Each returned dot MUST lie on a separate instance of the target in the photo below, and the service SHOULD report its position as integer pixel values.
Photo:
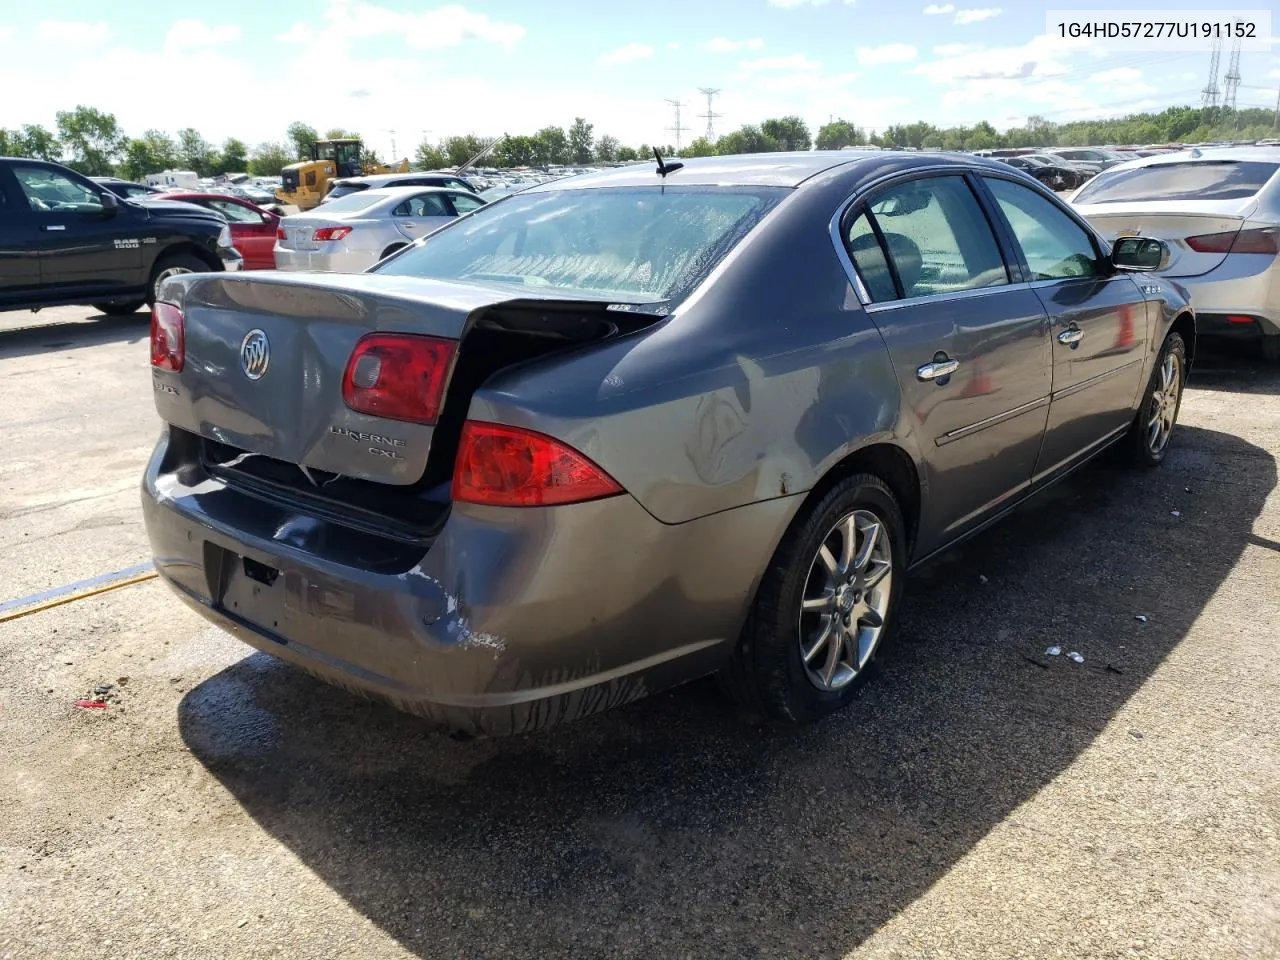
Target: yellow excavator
(307, 181)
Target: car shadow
(93, 330)
(677, 821)
(1234, 368)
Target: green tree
(268, 159)
(93, 139)
(517, 151)
(150, 153)
(458, 150)
(626, 154)
(32, 141)
(581, 141)
(233, 157)
(840, 133)
(702, 147)
(428, 156)
(337, 133)
(551, 145)
(607, 149)
(747, 139)
(790, 133)
(195, 152)
(301, 135)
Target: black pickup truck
(67, 240)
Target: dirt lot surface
(980, 799)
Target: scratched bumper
(510, 620)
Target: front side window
(936, 237)
(1054, 245)
(621, 244)
(48, 191)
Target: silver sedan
(352, 233)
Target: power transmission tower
(710, 116)
(677, 129)
(1209, 95)
(1232, 77)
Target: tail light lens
(398, 376)
(1263, 240)
(168, 337)
(280, 233)
(501, 466)
(330, 233)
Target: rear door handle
(1074, 335)
(54, 226)
(937, 368)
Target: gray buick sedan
(615, 433)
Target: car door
(253, 232)
(969, 345)
(1100, 320)
(82, 242)
(420, 214)
(19, 260)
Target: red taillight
(280, 233)
(1238, 318)
(168, 344)
(330, 233)
(508, 467)
(398, 376)
(1262, 240)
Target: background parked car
(253, 230)
(347, 185)
(354, 232)
(1055, 176)
(1218, 209)
(1103, 159)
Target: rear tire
(1149, 436)
(172, 266)
(121, 309)
(817, 587)
(394, 248)
(1271, 348)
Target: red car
(253, 230)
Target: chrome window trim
(950, 295)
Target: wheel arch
(1184, 324)
(189, 248)
(892, 464)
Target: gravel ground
(980, 799)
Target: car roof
(766, 169)
(1203, 155)
(379, 179)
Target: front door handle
(1071, 337)
(937, 368)
(54, 226)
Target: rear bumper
(509, 620)
(337, 261)
(1241, 285)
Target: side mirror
(1140, 254)
(110, 204)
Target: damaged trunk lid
(265, 359)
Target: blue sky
(421, 68)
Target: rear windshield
(633, 245)
(345, 189)
(353, 201)
(1191, 180)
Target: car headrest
(906, 258)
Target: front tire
(825, 605)
(1152, 429)
(172, 266)
(119, 309)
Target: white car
(1218, 210)
(352, 233)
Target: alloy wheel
(1164, 404)
(165, 274)
(845, 600)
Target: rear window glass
(353, 201)
(1193, 180)
(634, 245)
(345, 189)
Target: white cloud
(796, 61)
(673, 45)
(447, 26)
(725, 45)
(627, 54)
(301, 33)
(1274, 74)
(197, 33)
(955, 49)
(977, 15)
(5, 33)
(1191, 75)
(938, 9)
(791, 4)
(805, 82)
(75, 33)
(1116, 75)
(888, 53)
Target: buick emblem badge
(255, 354)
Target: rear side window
(936, 237)
(423, 205)
(1189, 180)
(869, 259)
(465, 203)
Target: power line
(1209, 95)
(678, 128)
(710, 116)
(1232, 77)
